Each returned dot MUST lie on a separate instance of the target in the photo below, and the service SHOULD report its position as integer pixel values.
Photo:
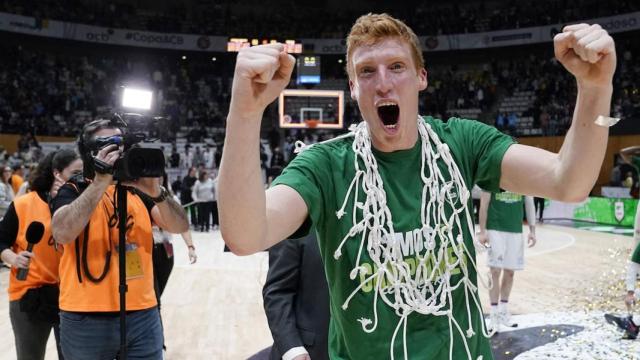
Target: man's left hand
(531, 239)
(192, 255)
(149, 186)
(483, 239)
(588, 53)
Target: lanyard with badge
(133, 261)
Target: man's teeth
(391, 126)
(386, 104)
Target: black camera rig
(136, 161)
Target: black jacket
(296, 298)
(187, 185)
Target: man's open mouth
(389, 113)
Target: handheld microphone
(34, 235)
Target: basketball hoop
(311, 123)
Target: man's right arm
(69, 220)
(250, 219)
(485, 199)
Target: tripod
(121, 195)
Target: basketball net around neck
(428, 291)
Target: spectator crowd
(314, 19)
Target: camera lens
(144, 162)
(137, 161)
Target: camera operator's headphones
(85, 145)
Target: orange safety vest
(16, 181)
(43, 269)
(77, 291)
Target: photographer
(85, 221)
(33, 302)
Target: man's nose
(384, 82)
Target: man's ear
(422, 79)
(353, 87)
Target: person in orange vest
(17, 178)
(85, 222)
(33, 302)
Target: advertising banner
(605, 211)
(193, 42)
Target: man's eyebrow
(390, 59)
(398, 58)
(362, 63)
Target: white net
(428, 289)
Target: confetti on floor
(597, 340)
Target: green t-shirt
(505, 212)
(635, 256)
(322, 175)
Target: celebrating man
(390, 200)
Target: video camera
(136, 161)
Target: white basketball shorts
(506, 251)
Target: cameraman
(85, 222)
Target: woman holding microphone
(33, 300)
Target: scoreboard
(308, 69)
(235, 44)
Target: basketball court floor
(213, 309)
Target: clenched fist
(261, 73)
(588, 52)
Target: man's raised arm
(251, 220)
(588, 53)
